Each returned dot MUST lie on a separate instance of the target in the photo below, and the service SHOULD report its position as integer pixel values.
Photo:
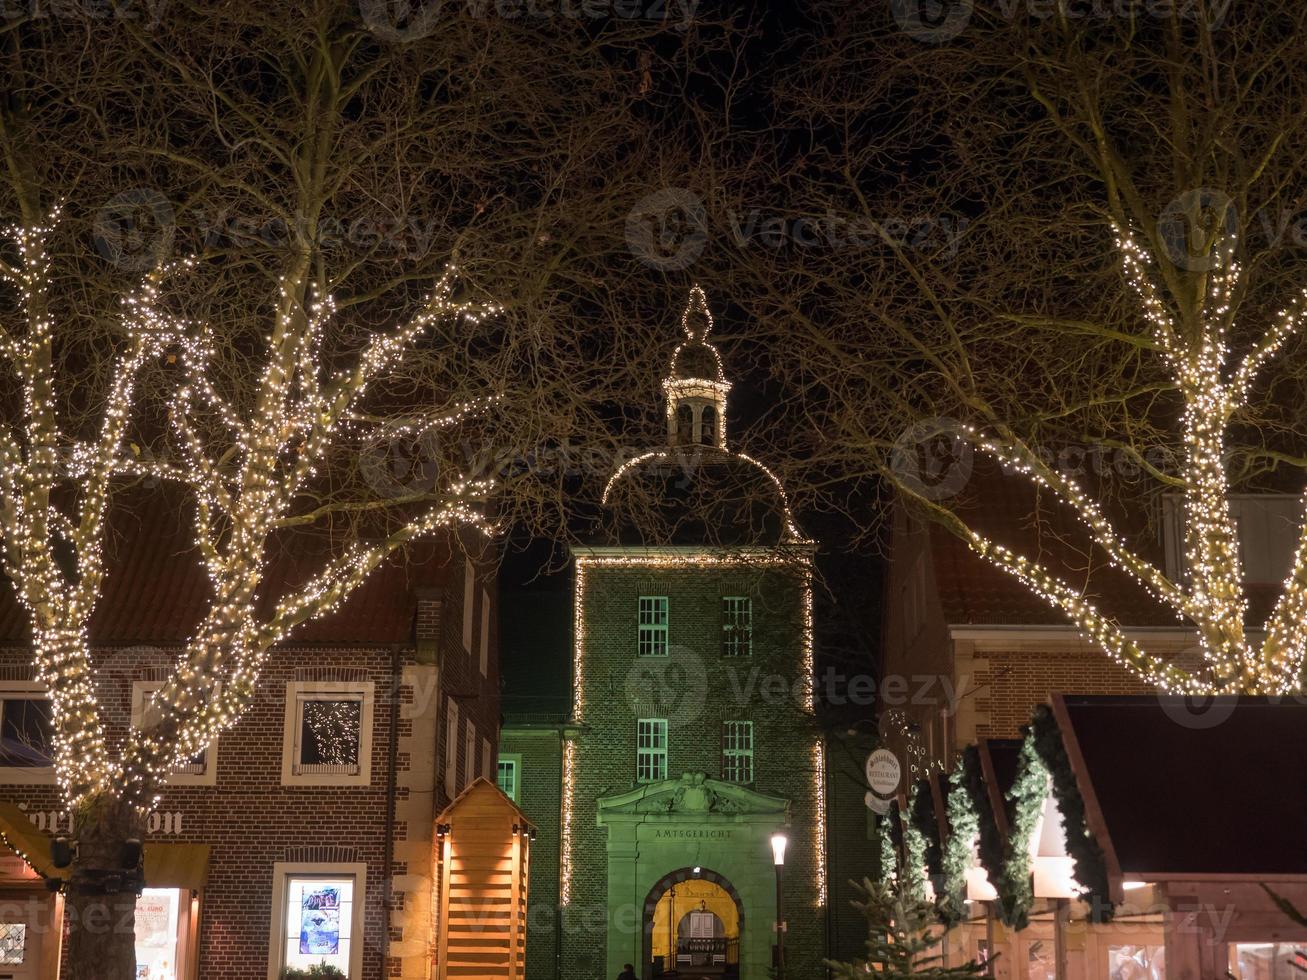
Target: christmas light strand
(1213, 596)
(245, 469)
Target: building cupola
(696, 386)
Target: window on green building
(737, 751)
(651, 750)
(653, 626)
(737, 626)
(508, 775)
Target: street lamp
(670, 963)
(778, 842)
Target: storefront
(1126, 839)
(32, 916)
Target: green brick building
(688, 736)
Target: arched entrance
(693, 920)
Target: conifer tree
(902, 941)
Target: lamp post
(778, 842)
(671, 931)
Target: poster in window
(156, 934)
(320, 921)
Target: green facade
(698, 532)
(627, 835)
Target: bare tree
(400, 233)
(1052, 224)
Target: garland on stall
(1026, 802)
(889, 860)
(1089, 861)
(959, 851)
(923, 819)
(990, 843)
(914, 849)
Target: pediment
(694, 795)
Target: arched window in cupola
(684, 425)
(695, 386)
(708, 426)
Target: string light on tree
(1215, 386)
(246, 463)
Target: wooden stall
(484, 849)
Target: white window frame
(513, 759)
(469, 600)
(178, 778)
(451, 749)
(485, 633)
(282, 872)
(652, 629)
(651, 731)
(26, 775)
(486, 759)
(737, 626)
(469, 750)
(323, 691)
(736, 732)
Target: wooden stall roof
(480, 789)
(1174, 793)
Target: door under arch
(693, 921)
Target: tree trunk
(100, 902)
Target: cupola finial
(696, 386)
(696, 321)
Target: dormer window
(1266, 526)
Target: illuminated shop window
(158, 921)
(319, 917)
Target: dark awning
(1174, 793)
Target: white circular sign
(883, 772)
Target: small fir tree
(902, 942)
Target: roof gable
(480, 794)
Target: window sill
(310, 779)
(27, 776)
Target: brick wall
(855, 851)
(251, 820)
(539, 796)
(462, 683)
(1010, 684)
(695, 689)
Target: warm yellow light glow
(1214, 387)
(245, 484)
(569, 794)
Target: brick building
(688, 736)
(305, 832)
(969, 652)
